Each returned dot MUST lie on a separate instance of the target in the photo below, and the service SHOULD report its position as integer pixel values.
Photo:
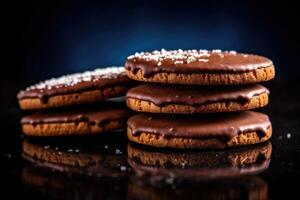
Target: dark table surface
(113, 177)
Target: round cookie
(165, 98)
(79, 88)
(199, 67)
(89, 119)
(204, 165)
(200, 131)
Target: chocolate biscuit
(199, 131)
(199, 67)
(80, 88)
(184, 99)
(89, 119)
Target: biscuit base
(157, 140)
(74, 98)
(223, 106)
(221, 78)
(70, 128)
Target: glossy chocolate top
(163, 94)
(194, 61)
(95, 113)
(89, 80)
(226, 125)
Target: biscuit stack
(76, 104)
(198, 99)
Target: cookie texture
(209, 131)
(155, 140)
(156, 98)
(256, 76)
(73, 99)
(80, 88)
(199, 67)
(71, 128)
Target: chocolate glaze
(217, 62)
(95, 114)
(225, 125)
(165, 94)
(95, 82)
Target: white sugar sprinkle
(73, 79)
(217, 51)
(179, 56)
(203, 60)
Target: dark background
(68, 36)
(56, 37)
(65, 36)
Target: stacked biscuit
(76, 104)
(198, 98)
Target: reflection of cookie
(56, 186)
(249, 187)
(199, 67)
(209, 131)
(73, 89)
(78, 156)
(199, 165)
(195, 99)
(89, 119)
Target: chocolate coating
(97, 113)
(193, 61)
(98, 79)
(165, 94)
(225, 125)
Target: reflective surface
(110, 167)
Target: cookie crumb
(123, 168)
(118, 151)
